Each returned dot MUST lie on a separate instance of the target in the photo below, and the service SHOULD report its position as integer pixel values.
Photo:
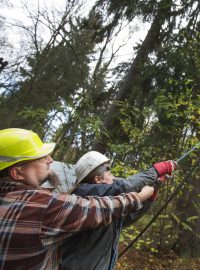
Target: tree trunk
(134, 76)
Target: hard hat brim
(45, 150)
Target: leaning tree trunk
(134, 76)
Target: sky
(15, 14)
(14, 8)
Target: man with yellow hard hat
(33, 221)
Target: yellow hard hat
(18, 144)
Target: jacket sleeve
(137, 181)
(66, 214)
(101, 190)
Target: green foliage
(64, 93)
(119, 169)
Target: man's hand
(145, 193)
(165, 167)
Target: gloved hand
(165, 167)
(165, 178)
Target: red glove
(165, 167)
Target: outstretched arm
(149, 177)
(137, 181)
(67, 214)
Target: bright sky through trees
(18, 12)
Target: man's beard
(44, 180)
(53, 179)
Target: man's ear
(98, 179)
(16, 173)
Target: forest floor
(140, 260)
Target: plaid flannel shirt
(34, 221)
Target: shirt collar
(8, 186)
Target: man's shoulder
(32, 195)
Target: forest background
(67, 74)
